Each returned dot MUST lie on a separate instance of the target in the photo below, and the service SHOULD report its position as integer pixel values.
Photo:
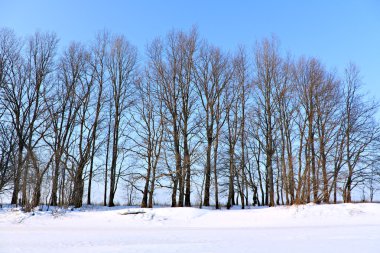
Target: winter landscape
(202, 126)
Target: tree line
(252, 127)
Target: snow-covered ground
(310, 228)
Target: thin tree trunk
(206, 201)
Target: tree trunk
(206, 201)
(54, 189)
(144, 202)
(216, 143)
(178, 174)
(17, 176)
(78, 187)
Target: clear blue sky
(334, 31)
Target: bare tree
(232, 119)
(241, 75)
(13, 97)
(40, 58)
(121, 66)
(286, 107)
(9, 54)
(86, 121)
(267, 69)
(22, 97)
(327, 103)
(172, 63)
(148, 127)
(98, 66)
(63, 111)
(308, 75)
(7, 157)
(213, 74)
(188, 47)
(360, 130)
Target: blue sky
(334, 31)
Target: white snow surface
(307, 228)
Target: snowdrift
(306, 228)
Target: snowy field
(310, 228)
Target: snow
(307, 228)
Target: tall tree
(286, 107)
(122, 67)
(267, 68)
(360, 130)
(148, 125)
(63, 110)
(327, 102)
(213, 74)
(241, 75)
(85, 124)
(172, 63)
(98, 67)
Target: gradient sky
(334, 31)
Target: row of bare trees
(194, 122)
